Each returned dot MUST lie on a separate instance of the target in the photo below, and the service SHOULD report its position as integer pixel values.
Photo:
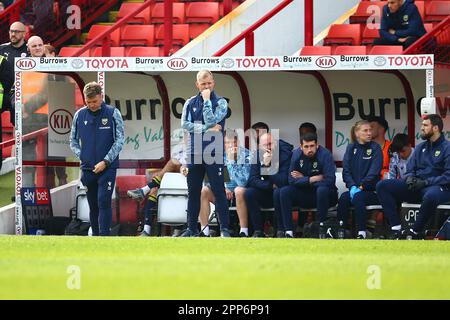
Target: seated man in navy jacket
(267, 176)
(401, 24)
(312, 182)
(427, 180)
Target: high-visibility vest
(1, 86)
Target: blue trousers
(321, 197)
(99, 193)
(216, 181)
(392, 192)
(257, 199)
(360, 201)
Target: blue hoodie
(321, 163)
(431, 162)
(362, 165)
(280, 178)
(406, 22)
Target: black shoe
(281, 234)
(225, 233)
(360, 237)
(258, 234)
(396, 234)
(287, 235)
(411, 235)
(202, 235)
(189, 233)
(243, 235)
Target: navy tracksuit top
(321, 163)
(431, 162)
(280, 179)
(96, 132)
(362, 165)
(195, 113)
(406, 22)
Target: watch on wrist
(107, 163)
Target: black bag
(56, 225)
(311, 230)
(77, 227)
(444, 232)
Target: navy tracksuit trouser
(360, 201)
(99, 193)
(195, 183)
(321, 198)
(392, 191)
(257, 198)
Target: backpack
(77, 227)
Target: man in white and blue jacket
(267, 176)
(312, 182)
(427, 180)
(204, 118)
(96, 138)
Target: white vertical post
(101, 82)
(18, 149)
(429, 83)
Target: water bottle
(322, 232)
(341, 230)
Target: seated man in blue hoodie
(427, 180)
(267, 176)
(312, 182)
(401, 24)
(361, 167)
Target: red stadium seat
(180, 35)
(437, 11)
(97, 29)
(421, 7)
(128, 208)
(142, 17)
(142, 52)
(138, 35)
(343, 34)
(428, 27)
(202, 12)
(386, 50)
(367, 9)
(7, 133)
(315, 51)
(370, 33)
(115, 52)
(351, 50)
(69, 51)
(157, 15)
(234, 5)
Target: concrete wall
(281, 35)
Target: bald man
(17, 46)
(36, 47)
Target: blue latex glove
(354, 190)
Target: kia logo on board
(61, 121)
(25, 64)
(177, 64)
(326, 62)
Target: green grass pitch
(45, 267)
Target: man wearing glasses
(17, 46)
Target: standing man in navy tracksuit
(362, 165)
(401, 24)
(204, 118)
(312, 182)
(96, 138)
(267, 176)
(427, 179)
